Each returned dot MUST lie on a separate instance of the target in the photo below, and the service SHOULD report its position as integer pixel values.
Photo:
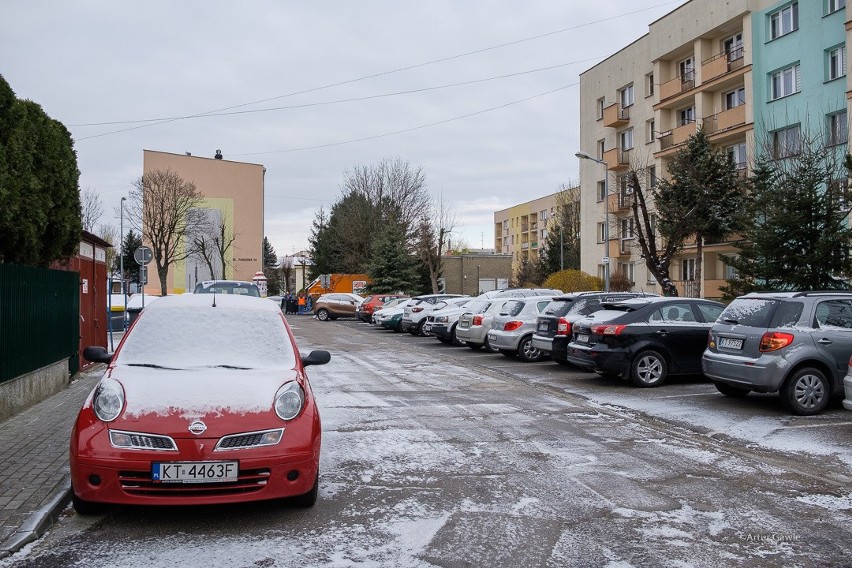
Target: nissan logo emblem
(198, 427)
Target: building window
(542, 215)
(686, 116)
(836, 63)
(686, 68)
(786, 142)
(733, 47)
(628, 269)
(627, 229)
(625, 96)
(652, 176)
(650, 131)
(784, 82)
(625, 139)
(601, 232)
(831, 6)
(784, 21)
(542, 235)
(737, 154)
(601, 190)
(735, 98)
(649, 85)
(601, 146)
(687, 269)
(838, 128)
(601, 106)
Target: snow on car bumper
(504, 340)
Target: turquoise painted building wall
(818, 97)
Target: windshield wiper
(229, 367)
(151, 366)
(729, 320)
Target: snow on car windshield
(184, 332)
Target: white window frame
(686, 68)
(652, 176)
(836, 62)
(649, 85)
(628, 269)
(784, 82)
(837, 128)
(832, 6)
(737, 153)
(787, 142)
(650, 134)
(686, 116)
(733, 46)
(625, 96)
(784, 21)
(625, 139)
(687, 269)
(601, 105)
(737, 97)
(601, 190)
(601, 147)
(601, 232)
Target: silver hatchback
(512, 329)
(796, 343)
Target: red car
(205, 401)
(371, 303)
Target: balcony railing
(722, 63)
(679, 84)
(615, 115)
(677, 136)
(724, 120)
(621, 200)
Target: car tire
(454, 338)
(322, 314)
(562, 362)
(731, 390)
(648, 369)
(85, 507)
(474, 346)
(508, 352)
(488, 346)
(309, 499)
(418, 331)
(528, 353)
(806, 392)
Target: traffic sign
(143, 255)
(605, 260)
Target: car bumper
(764, 374)
(408, 325)
(440, 330)
(847, 388)
(502, 340)
(599, 360)
(474, 334)
(543, 344)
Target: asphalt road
(442, 456)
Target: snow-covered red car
(205, 401)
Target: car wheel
(454, 339)
(649, 369)
(806, 392)
(562, 362)
(489, 347)
(419, 329)
(322, 314)
(508, 352)
(730, 390)
(474, 346)
(85, 507)
(528, 353)
(309, 499)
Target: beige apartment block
(521, 230)
(234, 199)
(639, 106)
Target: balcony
(525, 246)
(677, 136)
(615, 116)
(725, 120)
(620, 201)
(709, 288)
(617, 159)
(722, 63)
(677, 85)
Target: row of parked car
(798, 344)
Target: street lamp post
(586, 156)
(121, 259)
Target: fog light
(292, 475)
(95, 479)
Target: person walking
(301, 303)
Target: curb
(38, 522)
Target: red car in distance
(205, 401)
(370, 303)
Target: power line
(384, 73)
(422, 126)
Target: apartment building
(754, 73)
(521, 230)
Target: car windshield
(238, 288)
(188, 332)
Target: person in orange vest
(301, 302)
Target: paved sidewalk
(34, 477)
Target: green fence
(39, 319)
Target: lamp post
(121, 258)
(586, 156)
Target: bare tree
(394, 186)
(212, 243)
(288, 276)
(433, 233)
(91, 209)
(165, 209)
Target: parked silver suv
(796, 343)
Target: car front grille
(139, 483)
(141, 441)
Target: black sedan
(644, 339)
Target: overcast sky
(287, 73)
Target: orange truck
(328, 283)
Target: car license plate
(730, 343)
(543, 326)
(195, 472)
(582, 338)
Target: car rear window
(558, 307)
(753, 312)
(512, 308)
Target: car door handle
(662, 332)
(825, 341)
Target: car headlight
(108, 400)
(441, 319)
(289, 400)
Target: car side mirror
(317, 357)
(97, 354)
